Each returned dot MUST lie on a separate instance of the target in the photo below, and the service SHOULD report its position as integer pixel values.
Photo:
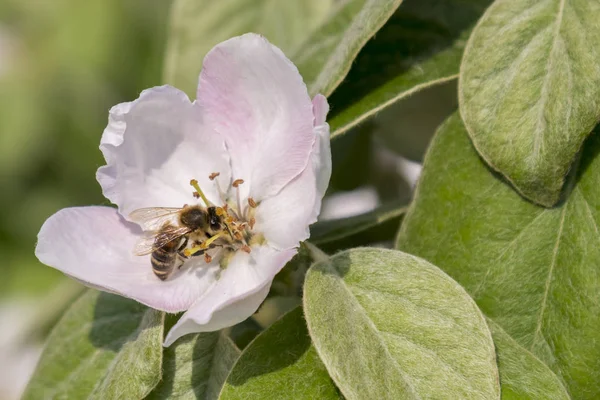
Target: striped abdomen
(164, 258)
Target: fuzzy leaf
(534, 271)
(530, 89)
(104, 347)
(280, 364)
(198, 25)
(331, 230)
(388, 325)
(419, 46)
(522, 375)
(196, 366)
(325, 58)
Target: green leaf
(332, 230)
(196, 366)
(326, 56)
(421, 45)
(530, 89)
(198, 25)
(534, 271)
(407, 126)
(280, 364)
(388, 325)
(522, 375)
(104, 347)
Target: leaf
(104, 347)
(280, 364)
(196, 367)
(529, 89)
(419, 46)
(332, 230)
(390, 325)
(198, 25)
(407, 126)
(326, 56)
(534, 271)
(522, 375)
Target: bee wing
(152, 241)
(153, 218)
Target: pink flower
(253, 121)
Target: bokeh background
(63, 64)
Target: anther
(207, 258)
(251, 202)
(252, 222)
(213, 175)
(196, 195)
(237, 182)
(246, 248)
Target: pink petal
(255, 98)
(95, 246)
(153, 147)
(242, 286)
(284, 218)
(320, 109)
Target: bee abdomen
(162, 263)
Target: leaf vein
(431, 352)
(538, 329)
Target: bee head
(214, 220)
(194, 218)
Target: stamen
(221, 193)
(199, 191)
(202, 246)
(252, 222)
(236, 184)
(251, 202)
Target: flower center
(229, 225)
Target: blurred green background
(63, 64)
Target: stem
(316, 253)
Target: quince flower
(253, 145)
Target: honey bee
(169, 230)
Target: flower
(258, 150)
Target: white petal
(231, 315)
(255, 98)
(284, 218)
(236, 294)
(153, 147)
(94, 245)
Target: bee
(169, 230)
